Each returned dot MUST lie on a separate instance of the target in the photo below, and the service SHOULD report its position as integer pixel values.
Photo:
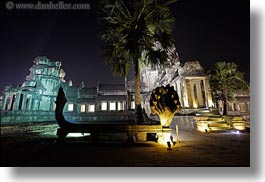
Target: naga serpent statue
(164, 102)
(65, 126)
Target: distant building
(1, 100)
(34, 99)
(241, 104)
(36, 93)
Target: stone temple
(34, 99)
(188, 80)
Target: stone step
(216, 122)
(238, 118)
(218, 125)
(239, 125)
(220, 128)
(201, 118)
(216, 119)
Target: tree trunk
(217, 104)
(137, 85)
(138, 109)
(225, 107)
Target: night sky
(208, 31)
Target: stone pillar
(193, 99)
(4, 101)
(232, 106)
(208, 93)
(116, 105)
(185, 94)
(24, 102)
(9, 104)
(248, 103)
(108, 104)
(199, 94)
(51, 104)
(206, 90)
(17, 100)
(238, 107)
(180, 92)
(30, 103)
(12, 102)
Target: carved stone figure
(164, 102)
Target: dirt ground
(33, 144)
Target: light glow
(104, 106)
(91, 107)
(210, 101)
(202, 126)
(195, 104)
(132, 105)
(83, 108)
(75, 135)
(164, 138)
(186, 102)
(112, 106)
(239, 127)
(120, 106)
(70, 107)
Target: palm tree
(225, 80)
(130, 30)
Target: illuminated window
(132, 105)
(104, 106)
(91, 107)
(112, 106)
(120, 106)
(83, 108)
(70, 107)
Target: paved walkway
(34, 145)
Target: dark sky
(208, 31)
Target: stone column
(17, 101)
(193, 99)
(199, 94)
(232, 106)
(185, 94)
(208, 93)
(180, 92)
(32, 102)
(108, 104)
(13, 102)
(29, 104)
(4, 102)
(24, 102)
(248, 104)
(116, 105)
(10, 102)
(51, 104)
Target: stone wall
(27, 116)
(184, 123)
